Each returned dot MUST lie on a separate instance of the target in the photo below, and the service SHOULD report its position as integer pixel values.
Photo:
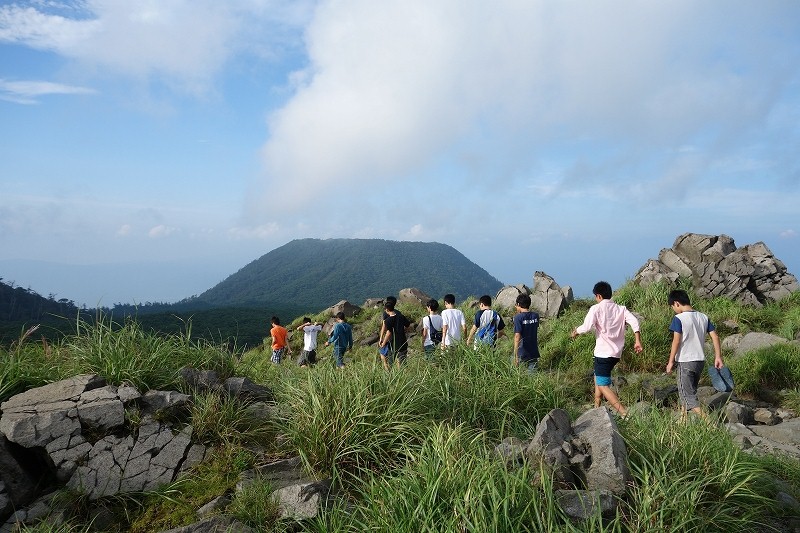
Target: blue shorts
(602, 370)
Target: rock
(373, 303)
(413, 296)
(507, 296)
(750, 275)
(201, 380)
(787, 433)
(511, 450)
(711, 398)
(765, 416)
(345, 307)
(741, 344)
(214, 506)
(171, 404)
(127, 464)
(597, 431)
(244, 389)
(583, 504)
(215, 524)
(546, 296)
(738, 413)
(19, 481)
(302, 500)
(554, 429)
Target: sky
(150, 149)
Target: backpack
(436, 334)
(486, 334)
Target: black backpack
(436, 334)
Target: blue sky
(150, 149)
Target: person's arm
(471, 333)
(588, 322)
(444, 332)
(334, 335)
(425, 330)
(517, 339)
(717, 350)
(637, 343)
(350, 338)
(387, 335)
(501, 326)
(673, 351)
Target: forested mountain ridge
(315, 273)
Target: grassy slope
(416, 443)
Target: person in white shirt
(454, 325)
(308, 356)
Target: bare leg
(612, 399)
(598, 395)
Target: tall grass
(691, 477)
(453, 482)
(776, 367)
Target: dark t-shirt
(527, 325)
(397, 324)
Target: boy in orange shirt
(279, 342)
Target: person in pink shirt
(607, 319)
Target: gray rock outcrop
(349, 310)
(548, 298)
(750, 275)
(413, 296)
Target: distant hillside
(314, 274)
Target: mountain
(315, 274)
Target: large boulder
(349, 310)
(750, 275)
(507, 296)
(597, 431)
(413, 296)
(547, 297)
(741, 344)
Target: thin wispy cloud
(31, 92)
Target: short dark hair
(340, 316)
(389, 305)
(450, 299)
(485, 300)
(276, 321)
(524, 301)
(306, 320)
(432, 304)
(678, 295)
(603, 288)
(391, 299)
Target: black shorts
(602, 370)
(307, 357)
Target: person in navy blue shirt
(526, 334)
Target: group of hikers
(607, 319)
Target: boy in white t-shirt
(689, 329)
(310, 329)
(431, 329)
(454, 325)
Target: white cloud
(124, 230)
(161, 230)
(27, 92)
(395, 88)
(788, 234)
(185, 43)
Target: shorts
(688, 378)
(602, 370)
(277, 354)
(307, 357)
